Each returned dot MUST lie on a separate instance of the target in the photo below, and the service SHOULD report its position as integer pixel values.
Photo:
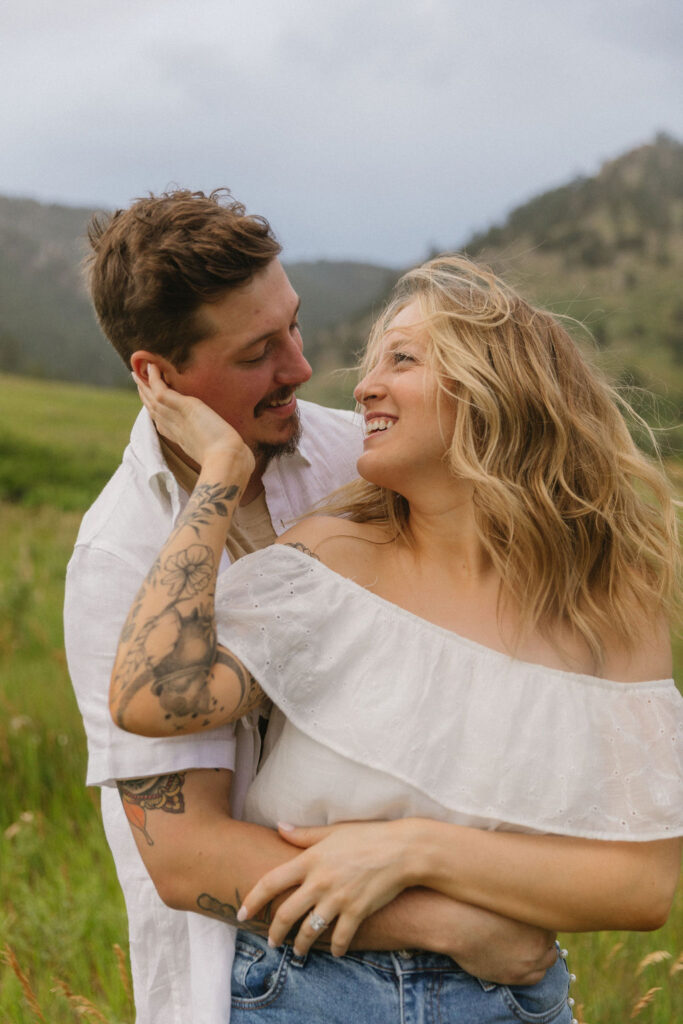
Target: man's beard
(265, 452)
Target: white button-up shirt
(181, 962)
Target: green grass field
(62, 921)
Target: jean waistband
(400, 961)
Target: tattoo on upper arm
(155, 793)
(174, 651)
(302, 547)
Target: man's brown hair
(153, 265)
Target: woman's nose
(369, 387)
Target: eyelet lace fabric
(379, 701)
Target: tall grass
(61, 911)
(62, 921)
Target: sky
(363, 129)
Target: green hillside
(606, 251)
(59, 442)
(48, 329)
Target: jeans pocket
(258, 972)
(543, 1003)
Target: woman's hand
(189, 422)
(347, 872)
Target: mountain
(47, 326)
(607, 252)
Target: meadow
(63, 938)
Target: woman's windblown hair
(579, 523)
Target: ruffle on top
(477, 731)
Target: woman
(477, 649)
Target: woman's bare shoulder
(648, 658)
(341, 544)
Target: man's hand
(496, 948)
(201, 859)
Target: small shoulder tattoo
(303, 549)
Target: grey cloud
(361, 129)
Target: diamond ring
(316, 922)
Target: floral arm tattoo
(157, 793)
(164, 793)
(168, 647)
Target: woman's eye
(402, 357)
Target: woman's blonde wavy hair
(579, 524)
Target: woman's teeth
(373, 426)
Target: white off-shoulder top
(382, 714)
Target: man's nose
(293, 368)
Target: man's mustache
(274, 396)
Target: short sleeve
(97, 579)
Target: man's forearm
(212, 875)
(483, 943)
(202, 860)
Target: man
(192, 285)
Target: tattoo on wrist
(156, 793)
(206, 501)
(258, 924)
(227, 912)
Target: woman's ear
(140, 361)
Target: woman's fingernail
(285, 826)
(242, 914)
(271, 943)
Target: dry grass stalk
(652, 958)
(123, 970)
(676, 966)
(613, 952)
(9, 957)
(645, 1001)
(82, 1006)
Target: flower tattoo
(188, 572)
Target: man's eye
(260, 356)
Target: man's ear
(140, 361)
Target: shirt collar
(145, 447)
(303, 450)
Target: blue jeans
(409, 987)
